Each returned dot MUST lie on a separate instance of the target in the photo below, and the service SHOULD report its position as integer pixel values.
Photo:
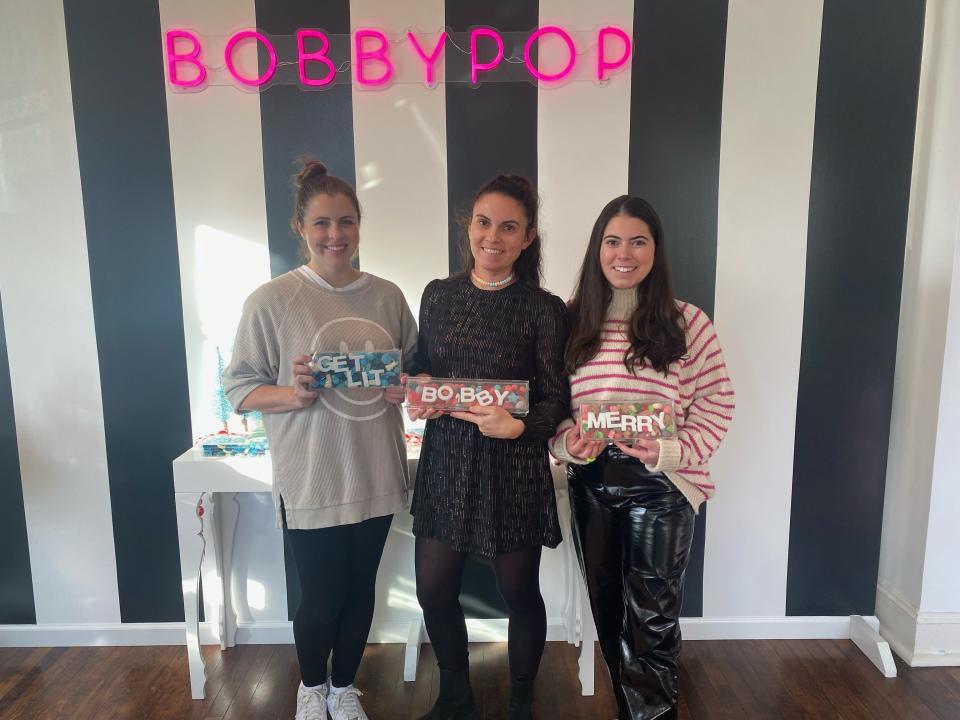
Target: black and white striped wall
(775, 138)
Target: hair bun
(310, 169)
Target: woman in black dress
(483, 482)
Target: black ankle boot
(455, 700)
(521, 700)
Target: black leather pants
(633, 531)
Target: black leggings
(337, 567)
(439, 574)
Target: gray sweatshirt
(343, 459)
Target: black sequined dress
(477, 494)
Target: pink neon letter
(603, 65)
(428, 60)
(380, 55)
(549, 77)
(303, 57)
(193, 57)
(476, 67)
(228, 56)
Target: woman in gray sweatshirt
(339, 459)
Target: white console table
(211, 483)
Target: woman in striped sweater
(633, 506)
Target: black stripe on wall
(297, 122)
(120, 112)
(16, 580)
(675, 115)
(859, 191)
(491, 129)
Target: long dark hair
(529, 266)
(656, 328)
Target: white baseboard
(730, 628)
(898, 623)
(766, 628)
(920, 639)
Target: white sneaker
(346, 705)
(312, 703)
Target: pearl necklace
(497, 283)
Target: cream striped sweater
(697, 384)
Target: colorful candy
(627, 421)
(224, 445)
(459, 394)
(355, 369)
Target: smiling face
(331, 230)
(627, 251)
(498, 233)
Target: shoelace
(314, 704)
(349, 702)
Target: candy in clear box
(228, 445)
(459, 394)
(358, 369)
(627, 421)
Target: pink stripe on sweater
(694, 472)
(703, 373)
(617, 376)
(700, 409)
(604, 376)
(726, 406)
(619, 363)
(687, 445)
(711, 384)
(635, 391)
(707, 343)
(703, 428)
(700, 453)
(721, 428)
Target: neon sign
(374, 57)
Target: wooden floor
(745, 679)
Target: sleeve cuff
(669, 459)
(558, 446)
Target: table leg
(588, 634)
(412, 654)
(191, 554)
(228, 513)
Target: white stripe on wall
(217, 163)
(400, 146)
(48, 313)
(583, 136)
(217, 168)
(769, 101)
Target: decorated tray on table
(626, 421)
(225, 444)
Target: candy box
(626, 421)
(355, 369)
(452, 394)
(224, 445)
